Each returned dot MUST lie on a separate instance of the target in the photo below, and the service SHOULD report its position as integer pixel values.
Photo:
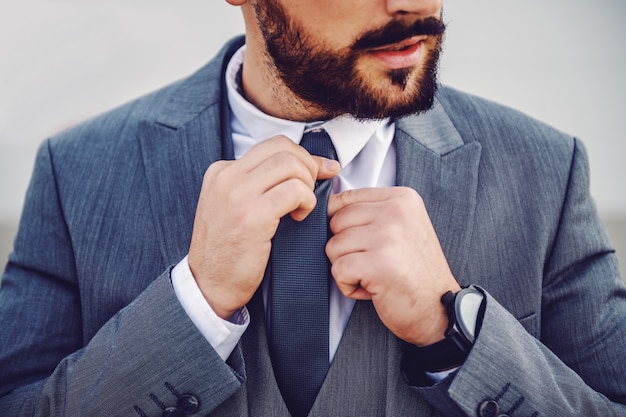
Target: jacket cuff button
(188, 403)
(488, 409)
(172, 412)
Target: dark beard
(331, 83)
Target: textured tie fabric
(300, 274)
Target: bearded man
(311, 225)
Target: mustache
(397, 31)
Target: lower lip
(400, 59)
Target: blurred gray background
(61, 61)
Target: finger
(349, 283)
(338, 201)
(327, 168)
(359, 293)
(291, 196)
(261, 152)
(356, 215)
(280, 167)
(280, 159)
(285, 165)
(352, 240)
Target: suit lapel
(175, 162)
(433, 160)
(178, 143)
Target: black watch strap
(440, 356)
(448, 353)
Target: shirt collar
(348, 134)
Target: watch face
(468, 307)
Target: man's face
(342, 57)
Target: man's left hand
(385, 249)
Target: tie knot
(319, 143)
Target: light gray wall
(61, 61)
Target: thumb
(326, 168)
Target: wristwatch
(465, 310)
(465, 316)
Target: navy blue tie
(298, 310)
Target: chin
(395, 101)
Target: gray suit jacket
(91, 326)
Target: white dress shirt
(367, 156)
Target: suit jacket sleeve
(577, 366)
(138, 363)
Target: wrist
(464, 312)
(436, 322)
(217, 297)
(437, 329)
(218, 301)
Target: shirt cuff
(223, 335)
(441, 375)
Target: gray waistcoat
(363, 380)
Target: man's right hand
(240, 206)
